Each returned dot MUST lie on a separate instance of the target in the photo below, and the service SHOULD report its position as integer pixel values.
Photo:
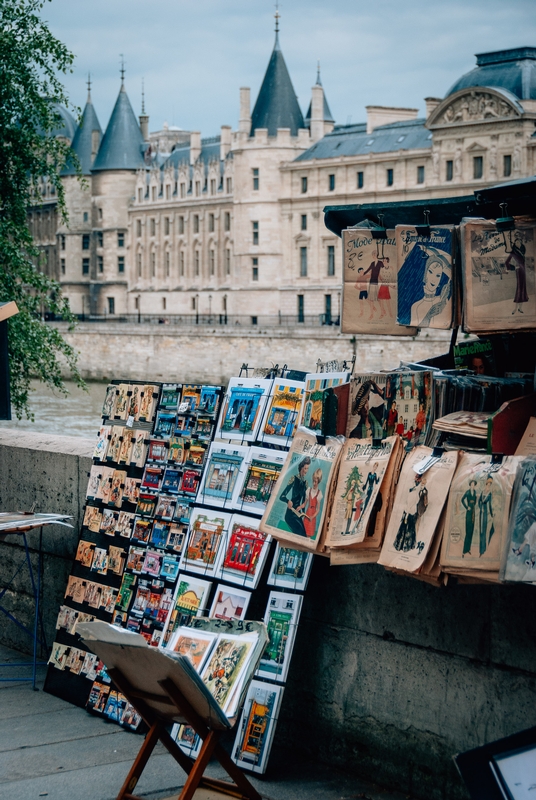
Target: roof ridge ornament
(122, 70)
(89, 87)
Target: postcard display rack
(181, 477)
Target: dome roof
(514, 70)
(65, 125)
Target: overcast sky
(195, 54)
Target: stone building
(231, 227)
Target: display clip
(424, 230)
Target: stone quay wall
(390, 677)
(210, 355)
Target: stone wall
(390, 677)
(206, 355)
(52, 472)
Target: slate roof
(353, 140)
(122, 144)
(66, 124)
(82, 142)
(514, 70)
(327, 113)
(277, 104)
(210, 150)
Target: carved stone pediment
(474, 106)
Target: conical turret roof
(121, 146)
(83, 142)
(327, 113)
(277, 104)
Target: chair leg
(140, 761)
(200, 764)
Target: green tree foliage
(31, 59)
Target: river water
(75, 414)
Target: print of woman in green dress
(468, 501)
(485, 508)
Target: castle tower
(113, 182)
(319, 119)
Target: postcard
(58, 655)
(171, 394)
(225, 464)
(134, 401)
(195, 645)
(262, 470)
(498, 276)
(77, 590)
(189, 483)
(282, 412)
(281, 620)
(191, 398)
(165, 424)
(187, 739)
(190, 600)
(100, 561)
(229, 603)
(93, 594)
(226, 667)
(109, 401)
(116, 559)
(245, 552)
(209, 399)
(84, 553)
(152, 563)
(195, 453)
(102, 442)
(297, 507)
(105, 483)
(171, 480)
(387, 403)
(256, 728)
(158, 450)
(125, 520)
(115, 497)
(141, 599)
(370, 291)
(114, 445)
(148, 403)
(89, 666)
(92, 518)
(98, 697)
(243, 408)
(290, 568)
(108, 521)
(176, 452)
(177, 536)
(142, 529)
(120, 409)
(152, 478)
(109, 595)
(170, 567)
(361, 471)
(130, 719)
(131, 490)
(183, 510)
(206, 541)
(94, 481)
(165, 507)
(417, 507)
(125, 451)
(203, 427)
(146, 504)
(313, 401)
(160, 533)
(425, 277)
(476, 525)
(139, 448)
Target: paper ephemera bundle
(519, 553)
(368, 550)
(297, 507)
(498, 276)
(417, 509)
(369, 298)
(425, 277)
(477, 515)
(361, 471)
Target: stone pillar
(244, 124)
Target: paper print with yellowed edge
(519, 553)
(361, 470)
(226, 666)
(260, 476)
(477, 512)
(195, 645)
(281, 620)
(101, 445)
(229, 603)
(206, 541)
(109, 401)
(282, 412)
(418, 504)
(121, 401)
(297, 507)
(148, 403)
(315, 385)
(190, 600)
(425, 277)
(290, 568)
(498, 275)
(369, 297)
(246, 549)
(384, 404)
(223, 474)
(255, 731)
(243, 408)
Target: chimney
(195, 146)
(431, 104)
(225, 141)
(383, 115)
(317, 113)
(144, 125)
(244, 124)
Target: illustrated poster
(256, 728)
(519, 554)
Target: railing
(229, 321)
